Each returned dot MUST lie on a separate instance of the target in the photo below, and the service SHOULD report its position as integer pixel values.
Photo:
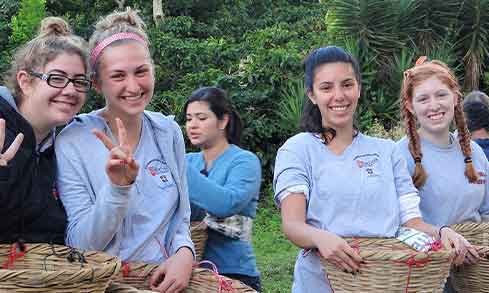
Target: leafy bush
(26, 22)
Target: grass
(274, 253)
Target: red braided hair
(412, 78)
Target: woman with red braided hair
(450, 172)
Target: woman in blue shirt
(224, 183)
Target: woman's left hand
(173, 275)
(463, 249)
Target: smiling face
(45, 105)
(126, 78)
(203, 127)
(335, 90)
(433, 104)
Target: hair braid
(414, 145)
(464, 140)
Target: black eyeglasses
(60, 81)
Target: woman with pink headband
(122, 177)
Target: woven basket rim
(110, 264)
(471, 226)
(400, 251)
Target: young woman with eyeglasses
(46, 87)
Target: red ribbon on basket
(16, 251)
(226, 285)
(126, 269)
(436, 245)
(410, 262)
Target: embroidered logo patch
(368, 162)
(158, 168)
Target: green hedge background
(254, 49)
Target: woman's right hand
(121, 167)
(337, 251)
(464, 251)
(12, 149)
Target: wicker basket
(55, 268)
(198, 231)
(124, 288)
(475, 233)
(206, 281)
(391, 266)
(137, 276)
(473, 278)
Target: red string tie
(225, 285)
(16, 252)
(126, 269)
(412, 262)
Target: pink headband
(106, 42)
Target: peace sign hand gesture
(121, 167)
(12, 149)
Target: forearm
(182, 238)
(420, 225)
(294, 225)
(302, 234)
(221, 201)
(94, 226)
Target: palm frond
(289, 109)
(473, 39)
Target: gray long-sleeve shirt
(448, 197)
(146, 221)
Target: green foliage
(254, 50)
(473, 40)
(289, 109)
(26, 22)
(275, 255)
(396, 132)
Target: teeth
(339, 108)
(436, 116)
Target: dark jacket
(484, 144)
(29, 207)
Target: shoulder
(376, 140)
(166, 126)
(240, 154)
(6, 96)
(300, 142)
(162, 121)
(79, 130)
(376, 143)
(82, 124)
(191, 157)
(403, 146)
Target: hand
(121, 167)
(452, 240)
(12, 149)
(173, 275)
(337, 251)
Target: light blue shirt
(447, 197)
(352, 194)
(146, 221)
(231, 188)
